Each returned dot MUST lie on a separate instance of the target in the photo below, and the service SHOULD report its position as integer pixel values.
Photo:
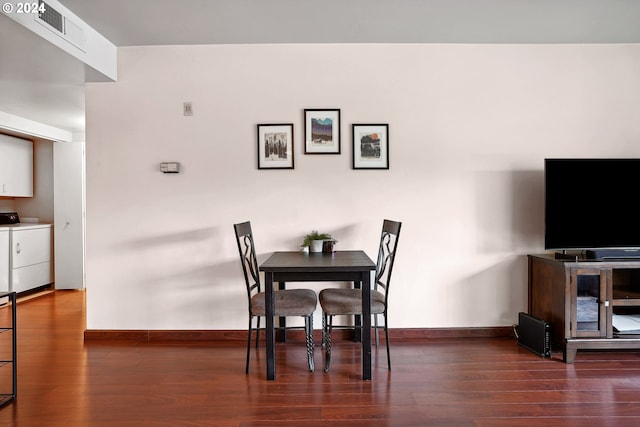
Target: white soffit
(61, 27)
(19, 126)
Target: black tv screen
(591, 203)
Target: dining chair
(335, 302)
(290, 302)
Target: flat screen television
(592, 204)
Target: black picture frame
(370, 146)
(322, 131)
(275, 146)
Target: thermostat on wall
(170, 167)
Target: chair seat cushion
(289, 302)
(349, 301)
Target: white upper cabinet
(16, 167)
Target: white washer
(29, 257)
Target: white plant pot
(316, 246)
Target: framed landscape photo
(275, 146)
(321, 131)
(370, 146)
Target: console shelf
(626, 295)
(579, 298)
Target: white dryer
(29, 257)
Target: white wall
(470, 126)
(7, 205)
(41, 204)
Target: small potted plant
(314, 240)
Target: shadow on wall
(509, 210)
(527, 209)
(190, 271)
(496, 294)
(197, 275)
(509, 224)
(182, 237)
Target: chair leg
(386, 337)
(308, 326)
(375, 328)
(246, 370)
(324, 327)
(258, 332)
(327, 348)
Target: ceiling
(38, 81)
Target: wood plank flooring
(486, 382)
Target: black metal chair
(291, 302)
(337, 302)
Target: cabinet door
(589, 302)
(31, 246)
(68, 214)
(16, 167)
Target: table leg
(357, 320)
(282, 321)
(366, 325)
(270, 335)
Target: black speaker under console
(631, 253)
(533, 334)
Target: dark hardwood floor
(64, 381)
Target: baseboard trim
(398, 335)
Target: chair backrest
(387, 254)
(247, 252)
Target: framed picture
(275, 146)
(370, 146)
(321, 131)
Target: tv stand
(579, 299)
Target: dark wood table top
(296, 261)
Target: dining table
(339, 266)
